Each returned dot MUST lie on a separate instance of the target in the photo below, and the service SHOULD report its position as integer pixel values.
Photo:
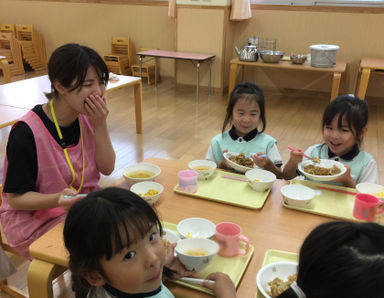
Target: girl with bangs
(58, 148)
(116, 250)
(344, 125)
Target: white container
(323, 55)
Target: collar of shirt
(348, 156)
(252, 134)
(119, 294)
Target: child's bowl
(196, 227)
(297, 195)
(269, 272)
(204, 168)
(196, 254)
(148, 190)
(374, 189)
(260, 180)
(140, 172)
(324, 163)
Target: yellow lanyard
(65, 150)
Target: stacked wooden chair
(32, 45)
(11, 49)
(147, 68)
(121, 58)
(8, 28)
(4, 286)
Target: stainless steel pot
(248, 53)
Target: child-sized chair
(121, 57)
(147, 68)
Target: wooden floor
(177, 126)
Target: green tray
(234, 267)
(337, 202)
(228, 191)
(273, 256)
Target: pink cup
(188, 180)
(229, 237)
(367, 206)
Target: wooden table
(336, 71)
(271, 227)
(9, 115)
(26, 94)
(193, 57)
(367, 65)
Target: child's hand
(260, 159)
(173, 263)
(66, 203)
(296, 157)
(223, 163)
(223, 286)
(96, 108)
(346, 178)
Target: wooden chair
(121, 57)
(11, 49)
(33, 47)
(8, 28)
(4, 286)
(6, 71)
(147, 68)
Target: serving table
(25, 94)
(193, 57)
(271, 227)
(336, 71)
(367, 65)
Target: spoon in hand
(314, 159)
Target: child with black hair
(344, 125)
(246, 113)
(341, 259)
(58, 148)
(116, 250)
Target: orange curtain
(172, 8)
(241, 10)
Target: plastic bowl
(260, 180)
(326, 163)
(234, 165)
(193, 262)
(140, 168)
(196, 227)
(271, 56)
(297, 195)
(204, 168)
(170, 236)
(142, 188)
(269, 272)
(376, 190)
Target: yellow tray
(273, 256)
(234, 267)
(336, 203)
(228, 191)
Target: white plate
(234, 165)
(325, 163)
(269, 272)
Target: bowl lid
(324, 47)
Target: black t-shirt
(21, 152)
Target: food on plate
(321, 171)
(141, 174)
(150, 192)
(197, 252)
(316, 159)
(242, 160)
(278, 286)
(202, 168)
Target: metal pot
(247, 53)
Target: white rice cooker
(323, 55)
